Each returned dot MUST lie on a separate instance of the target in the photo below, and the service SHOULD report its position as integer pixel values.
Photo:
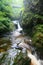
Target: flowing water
(9, 43)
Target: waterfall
(16, 22)
(19, 27)
(17, 32)
(18, 39)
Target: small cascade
(19, 27)
(16, 22)
(18, 39)
(34, 60)
(17, 32)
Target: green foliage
(9, 10)
(31, 16)
(21, 59)
(38, 39)
(17, 8)
(38, 43)
(32, 22)
(3, 58)
(38, 34)
(5, 16)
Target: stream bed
(8, 44)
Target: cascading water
(16, 38)
(17, 31)
(19, 27)
(13, 52)
(34, 60)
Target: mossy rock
(38, 43)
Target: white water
(15, 39)
(15, 22)
(13, 52)
(34, 60)
(17, 31)
(19, 27)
